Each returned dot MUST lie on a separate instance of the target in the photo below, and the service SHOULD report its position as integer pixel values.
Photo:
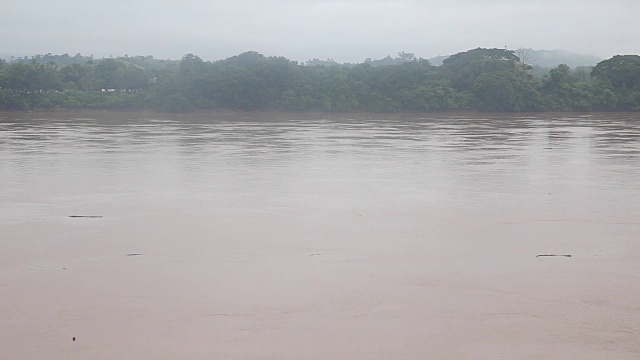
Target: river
(315, 236)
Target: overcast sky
(346, 30)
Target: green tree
(509, 90)
(72, 74)
(31, 78)
(622, 74)
(463, 68)
(621, 71)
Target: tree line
(493, 80)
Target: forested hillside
(494, 80)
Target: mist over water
(288, 236)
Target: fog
(345, 30)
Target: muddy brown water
(284, 236)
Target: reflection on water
(499, 161)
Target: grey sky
(346, 30)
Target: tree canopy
(478, 79)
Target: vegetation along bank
(494, 80)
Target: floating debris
(552, 255)
(134, 254)
(86, 216)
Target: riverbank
(276, 114)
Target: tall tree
(463, 68)
(621, 71)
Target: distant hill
(553, 58)
(437, 61)
(546, 58)
(386, 61)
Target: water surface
(284, 236)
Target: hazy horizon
(438, 58)
(346, 31)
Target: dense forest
(495, 80)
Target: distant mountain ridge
(553, 58)
(546, 58)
